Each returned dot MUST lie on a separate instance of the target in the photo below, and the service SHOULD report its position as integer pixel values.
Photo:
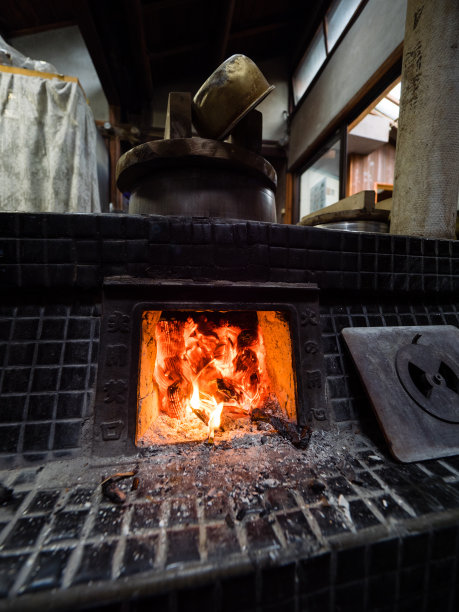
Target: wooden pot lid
(147, 158)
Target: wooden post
(116, 197)
(248, 132)
(427, 159)
(178, 118)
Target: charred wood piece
(247, 337)
(246, 360)
(227, 389)
(298, 436)
(110, 488)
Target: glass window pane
(388, 108)
(338, 16)
(395, 92)
(319, 184)
(309, 65)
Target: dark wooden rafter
(223, 33)
(159, 5)
(157, 56)
(142, 68)
(36, 29)
(261, 29)
(96, 50)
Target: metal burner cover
(411, 375)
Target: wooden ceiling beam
(134, 16)
(156, 56)
(262, 29)
(160, 5)
(97, 51)
(41, 28)
(224, 32)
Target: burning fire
(208, 366)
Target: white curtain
(47, 144)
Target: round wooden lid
(150, 157)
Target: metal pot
(234, 89)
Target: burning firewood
(247, 337)
(246, 360)
(201, 414)
(176, 398)
(227, 389)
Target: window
(309, 65)
(325, 39)
(371, 145)
(361, 157)
(338, 16)
(319, 184)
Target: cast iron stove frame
(126, 298)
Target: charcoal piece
(258, 414)
(112, 492)
(299, 437)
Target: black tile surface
(96, 563)
(47, 570)
(67, 525)
(25, 532)
(139, 555)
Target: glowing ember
(209, 367)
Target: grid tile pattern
(48, 357)
(343, 540)
(79, 250)
(345, 392)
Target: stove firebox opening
(213, 374)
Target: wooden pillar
(114, 149)
(427, 159)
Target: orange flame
(209, 369)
